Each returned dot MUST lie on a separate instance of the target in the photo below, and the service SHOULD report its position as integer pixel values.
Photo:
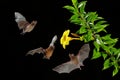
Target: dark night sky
(53, 19)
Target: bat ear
(34, 22)
(70, 55)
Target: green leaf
(100, 22)
(99, 18)
(96, 45)
(106, 48)
(96, 54)
(104, 55)
(113, 50)
(75, 3)
(99, 28)
(91, 16)
(74, 17)
(116, 52)
(89, 37)
(118, 57)
(104, 31)
(98, 39)
(115, 71)
(106, 37)
(70, 8)
(75, 21)
(83, 29)
(112, 41)
(107, 64)
(82, 5)
(108, 40)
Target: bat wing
(53, 40)
(19, 17)
(83, 53)
(21, 21)
(66, 67)
(30, 27)
(38, 50)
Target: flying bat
(75, 60)
(46, 52)
(23, 23)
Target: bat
(75, 60)
(23, 24)
(46, 52)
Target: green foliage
(96, 54)
(90, 25)
(107, 64)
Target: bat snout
(34, 22)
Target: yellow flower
(65, 39)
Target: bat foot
(22, 33)
(80, 68)
(44, 57)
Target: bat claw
(22, 33)
(80, 68)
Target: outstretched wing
(38, 50)
(53, 40)
(19, 17)
(66, 67)
(21, 21)
(83, 53)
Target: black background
(53, 20)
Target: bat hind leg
(23, 32)
(45, 57)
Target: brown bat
(75, 61)
(23, 23)
(46, 52)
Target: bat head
(33, 23)
(71, 55)
(74, 59)
(29, 27)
